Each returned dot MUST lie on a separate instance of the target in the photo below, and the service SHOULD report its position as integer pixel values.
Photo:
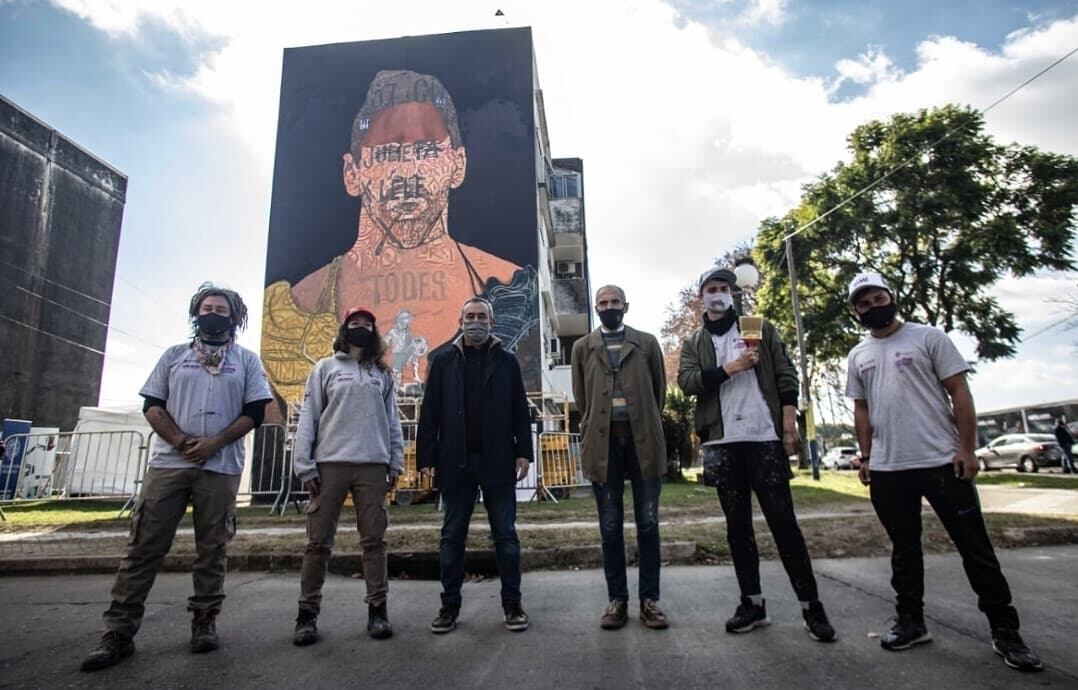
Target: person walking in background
(746, 418)
(348, 441)
(201, 399)
(1066, 442)
(619, 385)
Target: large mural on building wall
(404, 182)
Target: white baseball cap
(866, 280)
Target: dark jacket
(696, 375)
(643, 380)
(441, 441)
(1063, 436)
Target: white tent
(106, 449)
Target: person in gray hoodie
(349, 440)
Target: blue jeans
(500, 501)
(622, 464)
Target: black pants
(896, 496)
(739, 469)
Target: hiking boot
(748, 617)
(204, 632)
(515, 618)
(1009, 645)
(446, 620)
(306, 628)
(819, 628)
(378, 625)
(113, 648)
(616, 615)
(652, 616)
(906, 632)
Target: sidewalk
(52, 623)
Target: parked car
(1026, 452)
(841, 458)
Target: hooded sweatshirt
(349, 415)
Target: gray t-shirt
(913, 424)
(204, 404)
(745, 415)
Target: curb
(420, 565)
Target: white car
(841, 458)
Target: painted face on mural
(403, 171)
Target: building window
(565, 186)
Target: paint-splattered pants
(737, 470)
(623, 464)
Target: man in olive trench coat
(620, 388)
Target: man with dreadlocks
(201, 399)
(406, 155)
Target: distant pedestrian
(619, 385)
(475, 433)
(746, 418)
(202, 398)
(1066, 442)
(917, 428)
(348, 441)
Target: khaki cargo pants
(367, 484)
(158, 510)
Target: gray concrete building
(60, 214)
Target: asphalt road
(51, 622)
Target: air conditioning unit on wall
(567, 269)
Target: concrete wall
(60, 215)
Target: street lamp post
(810, 422)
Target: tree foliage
(964, 214)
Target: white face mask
(718, 301)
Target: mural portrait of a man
(406, 156)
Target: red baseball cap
(359, 311)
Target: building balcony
(570, 296)
(567, 216)
(559, 379)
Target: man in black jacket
(475, 432)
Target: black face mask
(213, 324)
(359, 336)
(878, 318)
(611, 318)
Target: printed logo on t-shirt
(904, 359)
(866, 367)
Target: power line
(106, 325)
(872, 185)
(52, 335)
(53, 282)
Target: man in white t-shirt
(914, 414)
(746, 417)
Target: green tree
(964, 214)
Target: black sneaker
(378, 625)
(748, 617)
(446, 620)
(819, 628)
(306, 628)
(1009, 645)
(906, 632)
(204, 632)
(113, 648)
(515, 618)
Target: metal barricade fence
(83, 465)
(269, 464)
(560, 466)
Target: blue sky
(747, 100)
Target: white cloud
(688, 140)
